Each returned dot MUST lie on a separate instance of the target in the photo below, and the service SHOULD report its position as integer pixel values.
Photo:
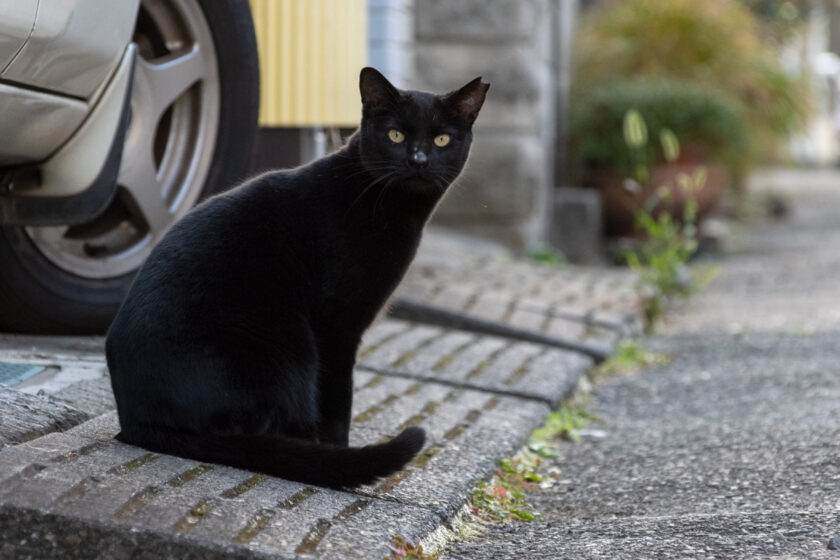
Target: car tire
(43, 291)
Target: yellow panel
(311, 52)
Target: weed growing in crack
(630, 356)
(560, 424)
(670, 241)
(503, 497)
(402, 549)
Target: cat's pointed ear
(467, 101)
(376, 89)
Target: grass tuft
(631, 356)
(560, 424)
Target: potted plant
(686, 129)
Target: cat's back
(224, 257)
(250, 253)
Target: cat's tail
(304, 461)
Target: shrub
(707, 125)
(781, 19)
(714, 44)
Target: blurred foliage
(716, 45)
(780, 19)
(547, 256)
(706, 124)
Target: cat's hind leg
(275, 384)
(248, 384)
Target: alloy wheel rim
(168, 149)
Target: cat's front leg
(335, 397)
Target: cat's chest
(377, 260)
(364, 270)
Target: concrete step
(24, 417)
(84, 479)
(477, 397)
(579, 306)
(472, 361)
(593, 307)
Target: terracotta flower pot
(620, 204)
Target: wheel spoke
(53, 235)
(139, 177)
(170, 76)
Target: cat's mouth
(422, 182)
(415, 173)
(419, 178)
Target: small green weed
(631, 356)
(401, 549)
(503, 498)
(547, 256)
(661, 261)
(670, 243)
(498, 501)
(520, 470)
(559, 424)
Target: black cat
(237, 340)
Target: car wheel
(194, 116)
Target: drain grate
(12, 374)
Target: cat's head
(416, 137)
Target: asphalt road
(733, 449)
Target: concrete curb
(81, 494)
(83, 482)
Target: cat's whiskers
(362, 174)
(362, 167)
(373, 183)
(443, 184)
(453, 184)
(370, 167)
(381, 197)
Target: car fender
(60, 191)
(74, 47)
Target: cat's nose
(419, 159)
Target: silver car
(116, 117)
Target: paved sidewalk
(733, 449)
(68, 490)
(590, 305)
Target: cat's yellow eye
(396, 136)
(442, 140)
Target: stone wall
(504, 193)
